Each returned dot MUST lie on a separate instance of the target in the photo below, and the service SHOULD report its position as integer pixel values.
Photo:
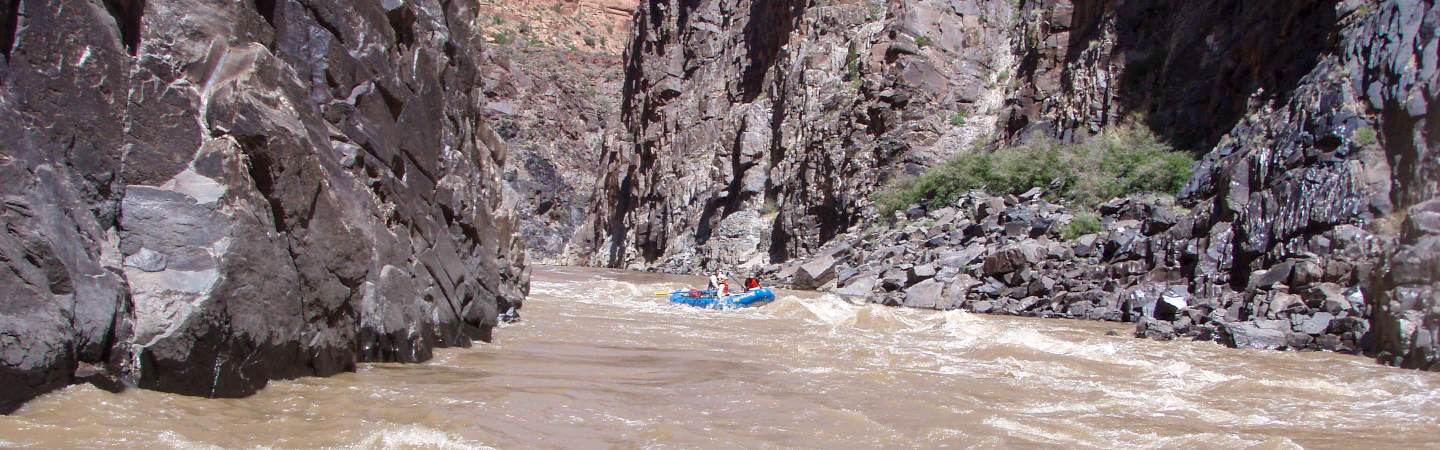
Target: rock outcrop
(556, 111)
(758, 130)
(1009, 255)
(200, 197)
(577, 25)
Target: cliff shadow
(1192, 69)
(767, 32)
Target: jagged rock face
(1311, 119)
(577, 25)
(1192, 69)
(205, 196)
(758, 129)
(556, 111)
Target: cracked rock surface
(204, 196)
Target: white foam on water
(877, 318)
(176, 440)
(414, 436)
(813, 370)
(1282, 443)
(826, 310)
(1310, 384)
(1044, 343)
(1061, 407)
(1183, 376)
(1031, 432)
(627, 422)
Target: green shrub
(959, 119)
(769, 208)
(501, 38)
(1083, 224)
(922, 41)
(1121, 161)
(1366, 136)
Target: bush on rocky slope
(1121, 161)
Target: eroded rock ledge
(200, 197)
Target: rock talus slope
(200, 196)
(757, 131)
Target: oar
(659, 293)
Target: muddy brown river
(601, 362)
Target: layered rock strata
(200, 197)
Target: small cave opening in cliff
(266, 8)
(9, 26)
(127, 15)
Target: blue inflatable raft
(707, 299)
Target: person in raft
(719, 285)
(751, 283)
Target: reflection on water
(602, 362)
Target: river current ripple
(601, 362)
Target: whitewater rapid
(600, 361)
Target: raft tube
(706, 298)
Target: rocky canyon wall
(551, 81)
(556, 110)
(200, 197)
(757, 131)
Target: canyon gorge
(202, 198)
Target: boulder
(1327, 297)
(895, 279)
(816, 272)
(1249, 335)
(925, 294)
(1316, 324)
(860, 286)
(1041, 286)
(1004, 261)
(1280, 302)
(982, 306)
(1277, 274)
(923, 272)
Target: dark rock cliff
(556, 110)
(758, 130)
(200, 196)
